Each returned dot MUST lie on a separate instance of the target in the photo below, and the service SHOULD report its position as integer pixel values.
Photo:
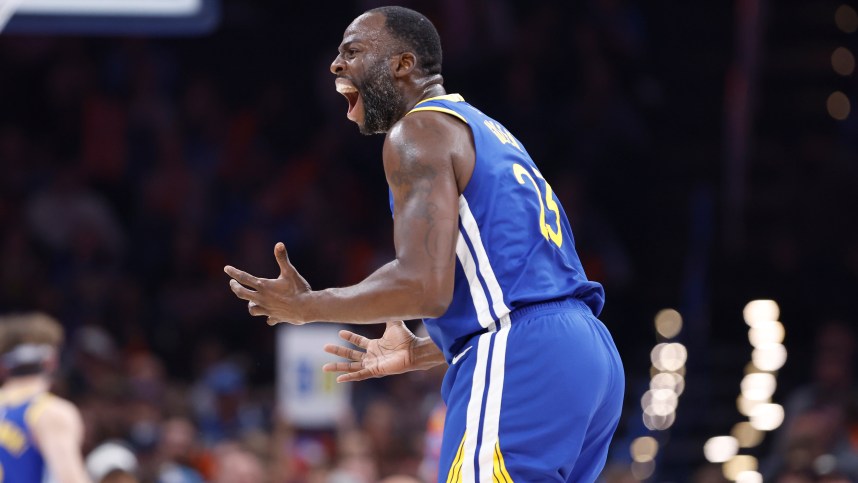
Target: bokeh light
(761, 311)
(739, 464)
(719, 449)
(749, 477)
(769, 357)
(644, 449)
(668, 323)
(758, 386)
(643, 470)
(766, 332)
(747, 435)
(846, 18)
(658, 423)
(668, 380)
(767, 416)
(746, 406)
(838, 106)
(669, 356)
(842, 61)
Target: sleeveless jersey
(515, 245)
(20, 460)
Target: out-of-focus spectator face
(355, 458)
(177, 439)
(239, 466)
(146, 377)
(120, 477)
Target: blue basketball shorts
(538, 400)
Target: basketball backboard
(112, 17)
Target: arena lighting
(669, 356)
(739, 464)
(767, 416)
(761, 311)
(642, 471)
(667, 374)
(842, 61)
(758, 386)
(746, 406)
(749, 477)
(846, 19)
(769, 331)
(769, 357)
(644, 449)
(668, 323)
(719, 449)
(668, 380)
(115, 17)
(747, 435)
(838, 106)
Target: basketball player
(40, 434)
(484, 255)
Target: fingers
(354, 339)
(242, 292)
(344, 352)
(360, 375)
(342, 367)
(282, 258)
(243, 278)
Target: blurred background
(704, 151)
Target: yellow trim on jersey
(455, 474)
(500, 473)
(439, 109)
(446, 97)
(37, 407)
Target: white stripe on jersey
(478, 295)
(473, 233)
(491, 419)
(472, 422)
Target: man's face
(364, 75)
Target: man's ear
(404, 63)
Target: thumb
(282, 258)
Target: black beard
(381, 100)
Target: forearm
(391, 293)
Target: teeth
(343, 87)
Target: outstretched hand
(278, 299)
(393, 353)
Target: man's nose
(337, 66)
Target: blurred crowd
(134, 169)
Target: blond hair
(29, 328)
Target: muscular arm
(59, 435)
(419, 153)
(419, 282)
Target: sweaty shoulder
(435, 137)
(56, 414)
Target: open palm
(392, 354)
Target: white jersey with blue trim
(515, 245)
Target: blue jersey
(515, 246)
(20, 460)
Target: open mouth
(352, 95)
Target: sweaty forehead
(369, 28)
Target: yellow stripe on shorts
(500, 473)
(455, 474)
